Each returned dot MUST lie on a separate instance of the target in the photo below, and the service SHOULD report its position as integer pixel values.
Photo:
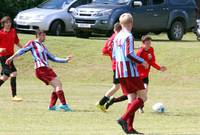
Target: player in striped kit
(127, 73)
(43, 71)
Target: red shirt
(149, 57)
(108, 48)
(8, 40)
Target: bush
(12, 7)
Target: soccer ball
(158, 107)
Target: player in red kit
(107, 51)
(8, 39)
(147, 53)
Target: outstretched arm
(155, 65)
(58, 60)
(21, 51)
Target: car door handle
(151, 9)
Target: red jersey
(149, 57)
(108, 48)
(8, 40)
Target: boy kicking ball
(147, 53)
(126, 71)
(43, 71)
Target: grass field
(86, 79)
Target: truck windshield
(110, 1)
(54, 4)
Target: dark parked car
(175, 17)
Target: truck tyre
(176, 31)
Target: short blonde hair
(125, 19)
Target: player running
(42, 70)
(126, 71)
(147, 53)
(107, 51)
(8, 39)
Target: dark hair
(4, 20)
(39, 32)
(117, 27)
(146, 38)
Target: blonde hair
(125, 19)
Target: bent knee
(143, 97)
(116, 86)
(4, 78)
(14, 74)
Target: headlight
(74, 12)
(104, 13)
(39, 17)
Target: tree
(12, 7)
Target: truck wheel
(56, 28)
(176, 31)
(82, 34)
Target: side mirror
(137, 4)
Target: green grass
(87, 78)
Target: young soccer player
(127, 73)
(8, 39)
(147, 53)
(42, 70)
(107, 51)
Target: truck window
(180, 2)
(81, 2)
(158, 2)
(144, 2)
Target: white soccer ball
(158, 107)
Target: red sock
(130, 119)
(53, 100)
(135, 104)
(61, 96)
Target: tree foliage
(12, 7)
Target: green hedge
(12, 7)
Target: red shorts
(131, 85)
(45, 74)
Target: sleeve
(139, 52)
(113, 53)
(107, 50)
(16, 38)
(55, 59)
(25, 49)
(129, 51)
(153, 61)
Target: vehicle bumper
(31, 25)
(92, 24)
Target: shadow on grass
(177, 114)
(86, 111)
